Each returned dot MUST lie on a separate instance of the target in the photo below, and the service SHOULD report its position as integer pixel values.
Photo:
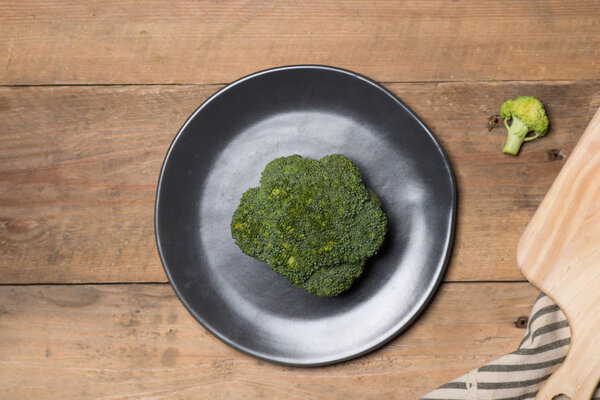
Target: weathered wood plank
(79, 165)
(186, 41)
(498, 193)
(138, 341)
(79, 171)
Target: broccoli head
(528, 115)
(314, 222)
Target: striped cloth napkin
(520, 374)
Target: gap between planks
(416, 82)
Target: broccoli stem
(513, 145)
(516, 136)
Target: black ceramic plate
(313, 111)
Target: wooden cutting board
(559, 253)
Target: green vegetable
(312, 221)
(528, 115)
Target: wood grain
(138, 341)
(79, 165)
(143, 41)
(79, 172)
(559, 253)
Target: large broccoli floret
(312, 221)
(528, 115)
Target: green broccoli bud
(527, 115)
(314, 222)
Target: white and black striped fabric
(518, 375)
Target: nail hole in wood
(561, 397)
(521, 322)
(494, 121)
(556, 154)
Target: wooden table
(92, 94)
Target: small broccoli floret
(312, 221)
(528, 115)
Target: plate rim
(395, 331)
